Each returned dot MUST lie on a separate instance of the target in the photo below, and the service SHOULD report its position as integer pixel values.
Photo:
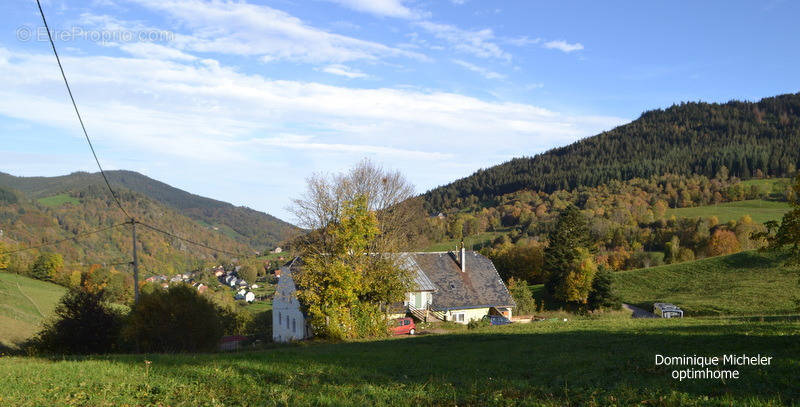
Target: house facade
(457, 287)
(288, 321)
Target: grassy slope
(745, 283)
(24, 304)
(58, 200)
(760, 210)
(583, 361)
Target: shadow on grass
(573, 367)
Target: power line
(79, 235)
(75, 105)
(188, 240)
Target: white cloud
(523, 41)
(383, 8)
(481, 70)
(204, 119)
(344, 70)
(155, 51)
(562, 45)
(479, 43)
(239, 28)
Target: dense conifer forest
(748, 139)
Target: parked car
(497, 319)
(404, 326)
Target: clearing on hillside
(746, 283)
(758, 209)
(58, 200)
(24, 304)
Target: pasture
(24, 304)
(583, 361)
(758, 209)
(745, 283)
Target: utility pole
(135, 265)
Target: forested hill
(685, 139)
(26, 222)
(253, 228)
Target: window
(459, 317)
(287, 322)
(280, 319)
(294, 325)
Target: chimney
(463, 257)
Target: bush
(523, 296)
(174, 320)
(234, 320)
(84, 323)
(260, 326)
(478, 323)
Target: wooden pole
(135, 265)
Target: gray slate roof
(478, 286)
(421, 280)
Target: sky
(241, 101)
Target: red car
(404, 326)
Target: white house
(288, 321)
(448, 286)
(240, 295)
(250, 296)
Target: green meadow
(24, 304)
(760, 210)
(58, 200)
(746, 283)
(583, 361)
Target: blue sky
(241, 101)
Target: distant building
(277, 250)
(250, 296)
(240, 295)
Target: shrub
(260, 326)
(234, 320)
(83, 323)
(174, 320)
(522, 295)
(478, 323)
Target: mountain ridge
(246, 225)
(684, 139)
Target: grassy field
(745, 283)
(550, 363)
(58, 200)
(760, 210)
(24, 304)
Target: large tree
(389, 195)
(786, 235)
(352, 266)
(567, 259)
(3, 257)
(46, 266)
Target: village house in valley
(457, 287)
